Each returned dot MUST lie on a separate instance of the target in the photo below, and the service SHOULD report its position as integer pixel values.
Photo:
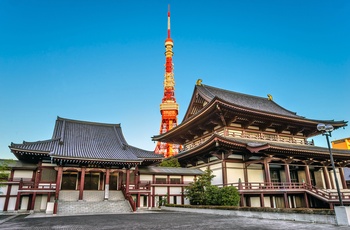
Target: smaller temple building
(88, 167)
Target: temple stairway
(93, 203)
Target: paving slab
(156, 220)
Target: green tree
(170, 162)
(213, 195)
(202, 192)
(4, 168)
(196, 191)
(229, 196)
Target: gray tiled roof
(244, 100)
(88, 140)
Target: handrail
(129, 198)
(330, 196)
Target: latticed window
(160, 180)
(48, 175)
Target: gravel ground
(155, 220)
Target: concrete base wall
(313, 218)
(342, 215)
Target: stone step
(83, 207)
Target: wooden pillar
(245, 172)
(127, 182)
(285, 197)
(342, 178)
(149, 200)
(138, 200)
(262, 202)
(168, 190)
(8, 192)
(307, 174)
(267, 172)
(182, 190)
(306, 200)
(224, 173)
(58, 185)
(107, 184)
(120, 179)
(137, 178)
(82, 182)
(287, 172)
(32, 204)
(153, 191)
(241, 202)
(326, 177)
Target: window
(160, 180)
(175, 181)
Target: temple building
(88, 167)
(261, 148)
(169, 109)
(343, 143)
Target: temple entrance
(69, 181)
(113, 182)
(91, 181)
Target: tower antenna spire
(169, 21)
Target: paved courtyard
(155, 220)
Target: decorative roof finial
(199, 82)
(269, 97)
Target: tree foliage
(170, 162)
(202, 192)
(4, 170)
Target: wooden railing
(167, 182)
(128, 197)
(327, 195)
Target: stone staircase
(93, 203)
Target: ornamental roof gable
(204, 94)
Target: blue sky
(103, 61)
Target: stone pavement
(151, 219)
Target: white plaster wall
(255, 201)
(24, 203)
(146, 177)
(161, 176)
(217, 180)
(3, 190)
(234, 172)
(338, 177)
(12, 204)
(319, 179)
(161, 190)
(23, 174)
(14, 190)
(141, 201)
(215, 166)
(2, 203)
(175, 190)
(186, 201)
(43, 202)
(188, 178)
(267, 202)
(37, 204)
(255, 174)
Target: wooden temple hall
(88, 167)
(261, 148)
